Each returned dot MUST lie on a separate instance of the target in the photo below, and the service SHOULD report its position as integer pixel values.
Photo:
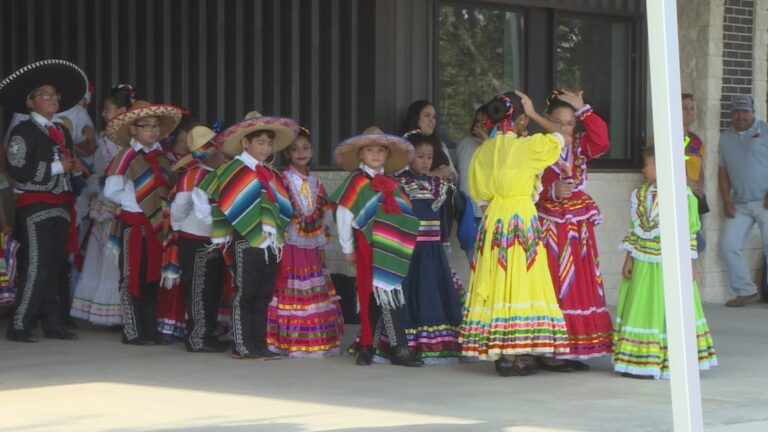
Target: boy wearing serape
(199, 267)
(138, 180)
(377, 231)
(251, 213)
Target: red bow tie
(386, 185)
(151, 157)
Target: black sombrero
(68, 79)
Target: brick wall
(738, 22)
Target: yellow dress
(511, 307)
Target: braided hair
(554, 102)
(503, 111)
(121, 96)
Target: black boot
(402, 357)
(365, 356)
(20, 335)
(60, 333)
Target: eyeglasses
(47, 96)
(569, 124)
(148, 127)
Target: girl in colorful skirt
(8, 248)
(304, 316)
(431, 314)
(511, 314)
(640, 331)
(97, 294)
(568, 219)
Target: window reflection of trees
(480, 54)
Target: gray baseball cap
(742, 103)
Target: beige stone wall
(701, 72)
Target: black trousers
(255, 272)
(139, 313)
(202, 277)
(42, 231)
(386, 320)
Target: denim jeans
(735, 234)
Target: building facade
(338, 66)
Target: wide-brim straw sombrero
(200, 141)
(400, 150)
(68, 80)
(118, 129)
(285, 131)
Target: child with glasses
(139, 180)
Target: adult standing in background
(694, 162)
(743, 183)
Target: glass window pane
(594, 54)
(480, 55)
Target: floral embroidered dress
(568, 226)
(304, 318)
(511, 307)
(640, 329)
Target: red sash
(154, 250)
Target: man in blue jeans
(743, 182)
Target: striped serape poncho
(254, 203)
(389, 227)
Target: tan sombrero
(118, 130)
(400, 150)
(201, 147)
(284, 128)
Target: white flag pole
(664, 56)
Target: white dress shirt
(56, 166)
(185, 215)
(345, 223)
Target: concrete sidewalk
(97, 384)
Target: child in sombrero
(251, 210)
(139, 180)
(377, 230)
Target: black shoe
(261, 354)
(70, 324)
(506, 367)
(402, 357)
(268, 354)
(365, 356)
(60, 333)
(138, 341)
(209, 346)
(642, 377)
(20, 336)
(563, 367)
(159, 339)
(578, 365)
(206, 348)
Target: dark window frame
(540, 32)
